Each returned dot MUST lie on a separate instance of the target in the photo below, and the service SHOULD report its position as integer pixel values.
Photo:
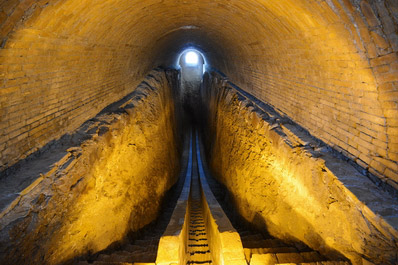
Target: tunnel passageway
(297, 112)
(121, 173)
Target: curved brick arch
(330, 65)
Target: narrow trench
(257, 247)
(198, 245)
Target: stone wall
(280, 183)
(111, 184)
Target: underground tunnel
(199, 132)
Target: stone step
(305, 258)
(283, 254)
(125, 253)
(134, 248)
(122, 256)
(108, 263)
(261, 259)
(111, 263)
(289, 258)
(145, 242)
(312, 256)
(134, 257)
(200, 258)
(272, 250)
(245, 233)
(264, 243)
(255, 237)
(270, 258)
(316, 263)
(104, 257)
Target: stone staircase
(264, 249)
(198, 247)
(138, 252)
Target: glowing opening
(191, 58)
(184, 55)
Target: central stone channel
(198, 245)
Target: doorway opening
(191, 64)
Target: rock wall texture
(111, 184)
(278, 184)
(331, 65)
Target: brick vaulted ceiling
(329, 65)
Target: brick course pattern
(332, 66)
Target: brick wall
(52, 81)
(51, 86)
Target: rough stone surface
(111, 184)
(282, 183)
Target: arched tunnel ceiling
(317, 61)
(242, 28)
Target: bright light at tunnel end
(196, 57)
(191, 58)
